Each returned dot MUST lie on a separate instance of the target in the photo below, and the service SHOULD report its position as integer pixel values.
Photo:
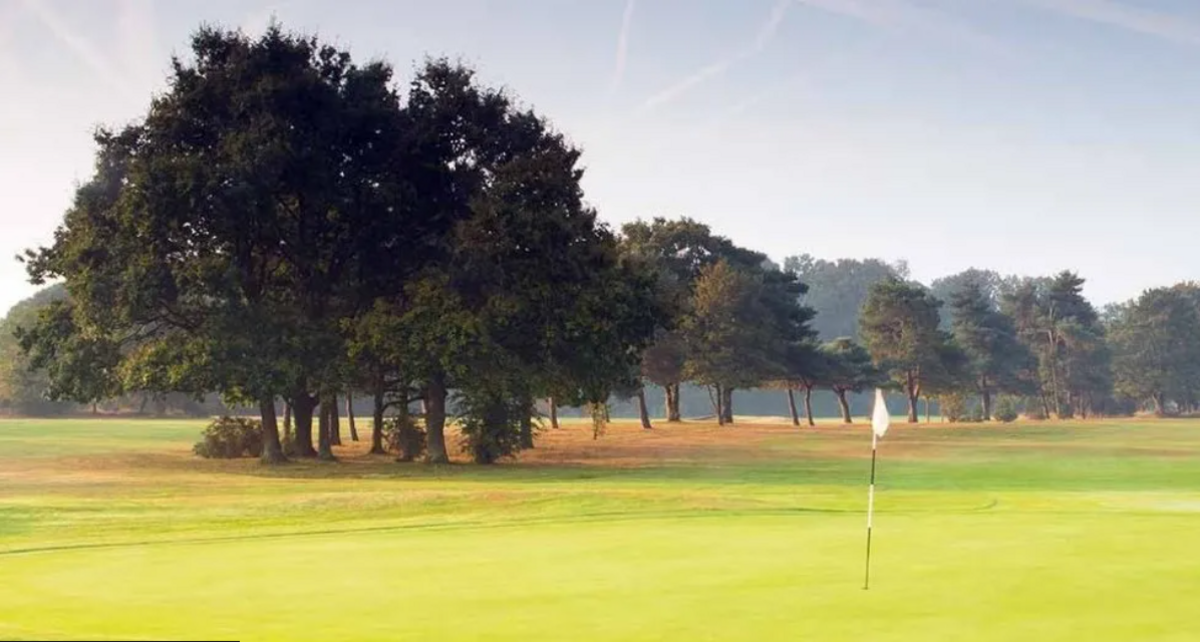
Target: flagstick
(870, 508)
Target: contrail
(904, 16)
(622, 46)
(77, 44)
(1138, 20)
(765, 35)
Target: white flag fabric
(880, 419)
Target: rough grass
(109, 529)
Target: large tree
(900, 329)
(226, 233)
(838, 289)
(987, 282)
(743, 327)
(849, 368)
(24, 390)
(677, 251)
(1156, 346)
(1064, 332)
(997, 360)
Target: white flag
(880, 419)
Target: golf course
(112, 529)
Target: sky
(1025, 136)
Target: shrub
(1034, 411)
(288, 443)
(953, 407)
(974, 415)
(491, 425)
(1005, 411)
(230, 438)
(404, 436)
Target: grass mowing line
(582, 518)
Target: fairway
(109, 529)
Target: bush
(953, 407)
(288, 444)
(1005, 411)
(1033, 410)
(404, 436)
(975, 415)
(491, 424)
(230, 438)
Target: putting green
(1078, 531)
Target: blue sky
(1026, 136)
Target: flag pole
(870, 508)
(880, 419)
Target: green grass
(1084, 531)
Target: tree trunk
(526, 422)
(325, 428)
(986, 396)
(808, 406)
(727, 405)
(1160, 404)
(350, 415)
(1058, 411)
(335, 422)
(302, 411)
(643, 412)
(913, 393)
(435, 420)
(607, 413)
(792, 407)
(845, 406)
(377, 421)
(272, 450)
(672, 390)
(553, 413)
(714, 395)
(287, 418)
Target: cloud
(1143, 21)
(766, 34)
(78, 45)
(622, 45)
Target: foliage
(1063, 331)
(996, 360)
(848, 367)
(838, 289)
(953, 407)
(490, 420)
(25, 390)
(1156, 346)
(1005, 410)
(900, 329)
(405, 437)
(231, 438)
(744, 327)
(984, 284)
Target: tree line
(285, 224)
